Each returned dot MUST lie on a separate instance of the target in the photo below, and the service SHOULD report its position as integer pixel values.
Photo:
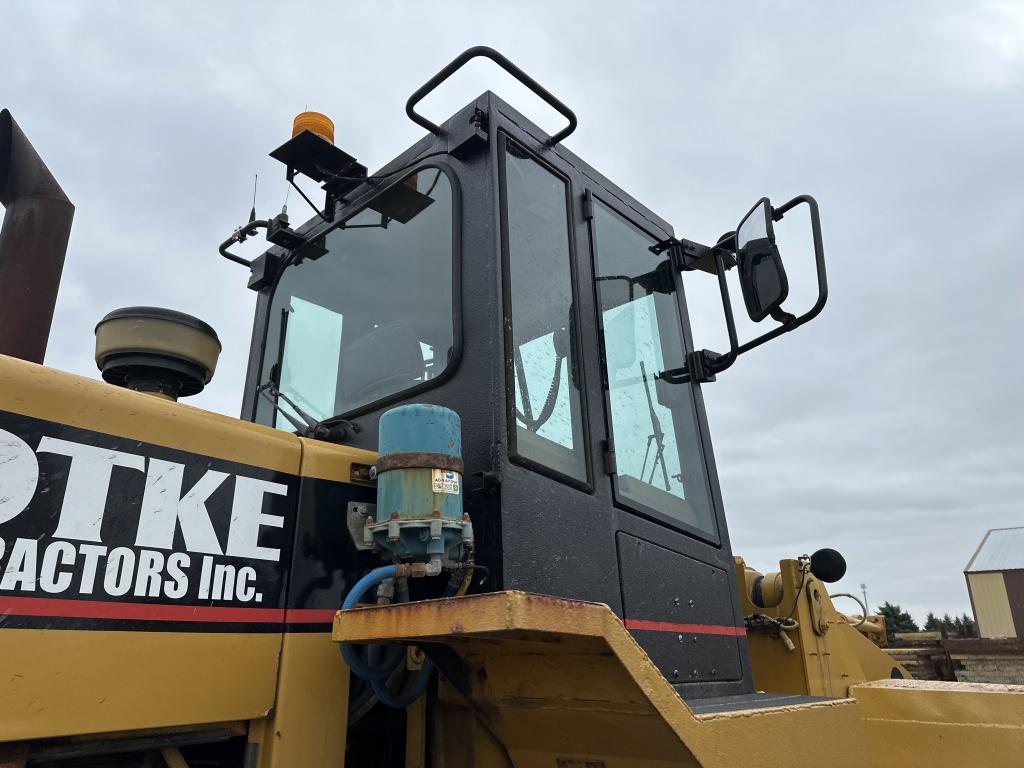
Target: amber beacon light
(314, 122)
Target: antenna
(252, 212)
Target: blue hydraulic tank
(419, 484)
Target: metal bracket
(469, 136)
(699, 367)
(817, 608)
(359, 515)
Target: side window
(311, 358)
(540, 342)
(660, 467)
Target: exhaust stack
(34, 239)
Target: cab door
(675, 565)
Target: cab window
(659, 465)
(542, 364)
(365, 312)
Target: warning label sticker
(446, 481)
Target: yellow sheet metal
(937, 724)
(562, 683)
(120, 681)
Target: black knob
(828, 565)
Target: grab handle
(484, 51)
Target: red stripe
(686, 629)
(97, 609)
(310, 615)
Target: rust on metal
(360, 473)
(420, 460)
(33, 242)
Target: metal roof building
(995, 582)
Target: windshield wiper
(657, 437)
(332, 429)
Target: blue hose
(402, 700)
(359, 667)
(372, 579)
(376, 675)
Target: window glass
(548, 412)
(311, 358)
(653, 422)
(366, 311)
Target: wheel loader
(469, 514)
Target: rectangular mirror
(762, 276)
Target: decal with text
(101, 528)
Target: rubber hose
(377, 675)
(348, 652)
(402, 700)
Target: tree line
(898, 620)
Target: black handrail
(484, 51)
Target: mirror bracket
(688, 255)
(700, 367)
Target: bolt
(696, 673)
(373, 473)
(680, 638)
(675, 673)
(675, 600)
(691, 603)
(694, 638)
(714, 672)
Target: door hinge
(588, 205)
(610, 467)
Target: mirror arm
(704, 364)
(819, 260)
(721, 362)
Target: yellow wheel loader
(469, 514)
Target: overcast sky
(889, 428)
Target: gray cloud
(890, 427)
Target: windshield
(365, 312)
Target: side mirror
(762, 276)
(762, 279)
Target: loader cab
(490, 270)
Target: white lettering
(90, 558)
(147, 575)
(20, 572)
(247, 517)
(19, 474)
(223, 582)
(58, 553)
(175, 564)
(204, 578)
(85, 497)
(117, 579)
(244, 589)
(163, 507)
